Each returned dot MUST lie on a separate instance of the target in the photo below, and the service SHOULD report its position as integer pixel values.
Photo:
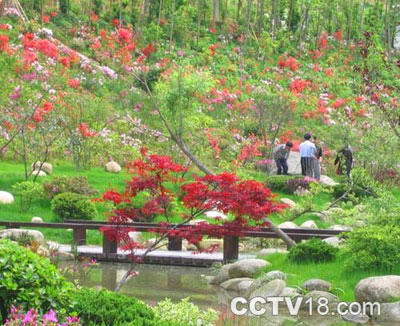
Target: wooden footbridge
(174, 255)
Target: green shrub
(110, 308)
(30, 281)
(279, 182)
(359, 185)
(59, 185)
(185, 313)
(373, 248)
(29, 192)
(69, 205)
(314, 250)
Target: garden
(164, 127)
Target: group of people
(311, 156)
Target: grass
(343, 281)
(11, 173)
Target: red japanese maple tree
(159, 192)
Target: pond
(156, 282)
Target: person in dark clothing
(281, 154)
(344, 158)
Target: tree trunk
(216, 12)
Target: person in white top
(308, 155)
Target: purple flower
(30, 317)
(51, 317)
(29, 77)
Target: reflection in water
(155, 283)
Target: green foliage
(373, 248)
(314, 250)
(359, 185)
(109, 308)
(31, 281)
(59, 185)
(29, 192)
(279, 182)
(185, 313)
(69, 205)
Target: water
(155, 283)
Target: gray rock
(378, 289)
(216, 215)
(235, 283)
(390, 312)
(17, 233)
(288, 225)
(47, 168)
(271, 289)
(316, 296)
(113, 167)
(222, 276)
(325, 180)
(37, 219)
(6, 197)
(38, 173)
(244, 286)
(357, 319)
(288, 202)
(247, 267)
(270, 251)
(309, 225)
(290, 292)
(317, 285)
(294, 163)
(276, 275)
(333, 241)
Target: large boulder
(316, 296)
(247, 267)
(276, 275)
(45, 167)
(310, 224)
(294, 163)
(317, 285)
(39, 173)
(378, 289)
(288, 202)
(325, 180)
(236, 284)
(355, 318)
(18, 233)
(288, 225)
(113, 167)
(6, 197)
(390, 312)
(271, 289)
(222, 276)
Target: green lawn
(343, 282)
(11, 173)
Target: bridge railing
(110, 248)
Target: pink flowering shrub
(18, 317)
